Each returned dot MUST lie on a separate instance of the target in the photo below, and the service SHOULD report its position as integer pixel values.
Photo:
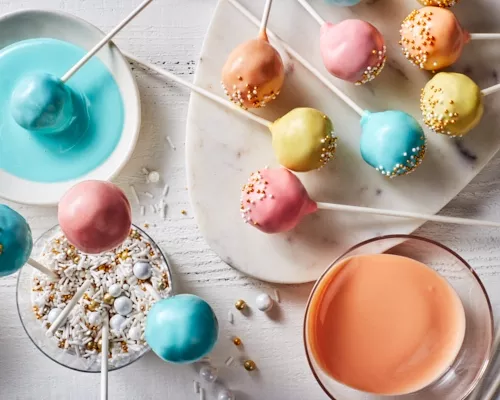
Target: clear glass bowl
(469, 366)
(35, 330)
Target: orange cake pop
(432, 38)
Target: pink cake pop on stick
(95, 216)
(274, 200)
(352, 50)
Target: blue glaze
(392, 142)
(42, 103)
(343, 3)
(181, 329)
(90, 138)
(16, 241)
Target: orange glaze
(385, 324)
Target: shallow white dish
(28, 24)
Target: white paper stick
(405, 214)
(491, 90)
(65, 312)
(265, 19)
(311, 11)
(485, 36)
(42, 268)
(104, 41)
(104, 359)
(199, 90)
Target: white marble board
(223, 148)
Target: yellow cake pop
(451, 104)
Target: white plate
(223, 148)
(28, 24)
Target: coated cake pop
(95, 216)
(438, 3)
(343, 3)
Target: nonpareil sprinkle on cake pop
(274, 200)
(16, 241)
(353, 50)
(253, 73)
(451, 104)
(95, 216)
(432, 38)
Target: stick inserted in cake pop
(303, 139)
(43, 103)
(274, 200)
(392, 141)
(352, 50)
(104, 358)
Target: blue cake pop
(343, 3)
(392, 142)
(181, 329)
(16, 241)
(42, 103)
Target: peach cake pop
(95, 216)
(438, 3)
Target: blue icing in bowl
(344, 3)
(181, 329)
(42, 103)
(392, 142)
(16, 241)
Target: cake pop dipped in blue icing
(16, 241)
(392, 142)
(343, 3)
(43, 103)
(181, 329)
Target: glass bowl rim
(405, 237)
(169, 271)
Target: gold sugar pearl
(1, 249)
(93, 305)
(237, 341)
(108, 299)
(240, 304)
(250, 365)
(91, 345)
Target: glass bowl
(35, 330)
(473, 358)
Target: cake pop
(42, 103)
(274, 201)
(343, 3)
(181, 329)
(352, 50)
(254, 72)
(95, 216)
(438, 3)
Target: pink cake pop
(95, 216)
(274, 200)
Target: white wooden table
(170, 33)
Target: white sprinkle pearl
(134, 333)
(264, 302)
(123, 305)
(116, 322)
(208, 373)
(115, 290)
(226, 394)
(95, 318)
(53, 314)
(142, 270)
(154, 177)
(126, 286)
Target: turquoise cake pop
(181, 329)
(392, 142)
(343, 3)
(16, 241)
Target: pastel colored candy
(353, 50)
(303, 139)
(438, 3)
(344, 3)
(432, 38)
(392, 142)
(95, 216)
(42, 103)
(451, 104)
(16, 241)
(253, 74)
(274, 200)
(181, 329)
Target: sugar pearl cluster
(328, 147)
(412, 161)
(438, 122)
(250, 93)
(115, 291)
(418, 25)
(372, 72)
(256, 188)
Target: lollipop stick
(42, 268)
(265, 18)
(485, 36)
(104, 359)
(491, 90)
(65, 312)
(405, 214)
(104, 41)
(311, 11)
(198, 90)
(301, 60)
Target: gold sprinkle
(240, 304)
(250, 365)
(237, 341)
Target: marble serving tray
(223, 148)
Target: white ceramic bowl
(29, 24)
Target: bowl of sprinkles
(124, 284)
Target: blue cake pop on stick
(181, 329)
(343, 3)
